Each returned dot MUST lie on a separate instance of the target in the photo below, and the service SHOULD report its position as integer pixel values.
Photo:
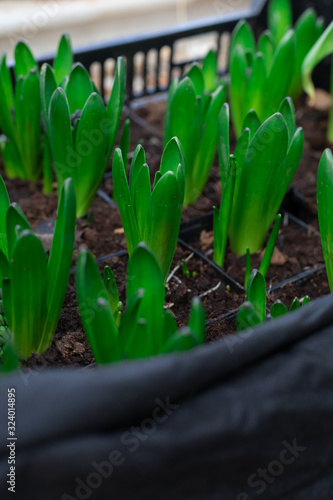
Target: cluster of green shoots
(34, 286)
(254, 311)
(262, 74)
(152, 216)
(56, 119)
(255, 177)
(145, 328)
(321, 49)
(192, 109)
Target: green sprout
(152, 216)
(34, 287)
(80, 129)
(191, 114)
(308, 29)
(145, 328)
(253, 311)
(255, 178)
(321, 49)
(263, 74)
(325, 210)
(24, 151)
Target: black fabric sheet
(247, 417)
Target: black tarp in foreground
(246, 417)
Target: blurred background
(41, 22)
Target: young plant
(34, 287)
(256, 178)
(321, 49)
(325, 210)
(263, 74)
(145, 328)
(191, 114)
(254, 310)
(152, 216)
(308, 29)
(22, 146)
(80, 129)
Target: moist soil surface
(298, 248)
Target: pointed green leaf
(27, 115)
(223, 140)
(256, 86)
(95, 310)
(14, 217)
(79, 88)
(172, 89)
(305, 300)
(134, 331)
(64, 59)
(278, 309)
(287, 110)
(90, 145)
(197, 319)
(138, 160)
(295, 305)
(238, 88)
(24, 60)
(6, 100)
(279, 18)
(141, 198)
(184, 120)
(124, 201)
(283, 63)
(221, 225)
(209, 71)
(243, 37)
(322, 48)
(307, 31)
(196, 75)
(251, 122)
(256, 293)
(266, 46)
(247, 317)
(165, 209)
(48, 85)
(4, 206)
(143, 272)
(325, 210)
(115, 104)
(61, 139)
(60, 260)
(170, 325)
(207, 149)
(182, 340)
(28, 273)
(111, 288)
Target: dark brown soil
(298, 249)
